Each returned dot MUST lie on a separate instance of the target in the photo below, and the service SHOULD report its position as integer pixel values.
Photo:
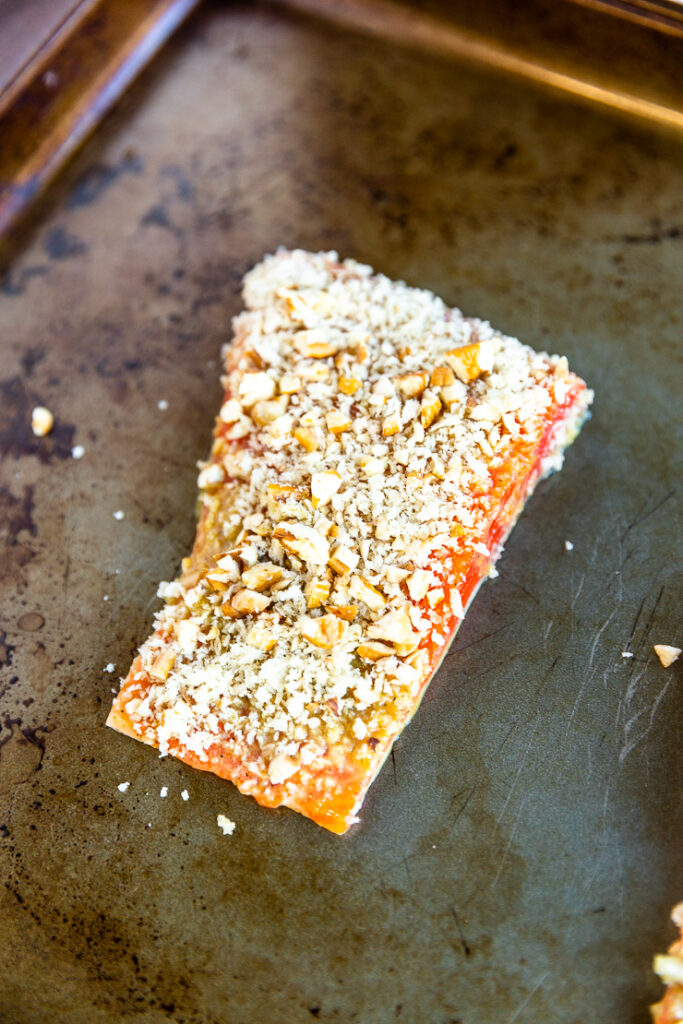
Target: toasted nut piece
(365, 592)
(405, 650)
(261, 576)
(231, 411)
(667, 654)
(303, 541)
(349, 385)
(372, 650)
(395, 574)
(306, 438)
(42, 421)
(347, 612)
(281, 768)
(391, 425)
(211, 475)
(253, 356)
(238, 465)
(324, 486)
(255, 387)
(245, 552)
(382, 528)
(218, 579)
(262, 637)
(324, 526)
(162, 664)
(337, 422)
(470, 361)
(452, 393)
(412, 384)
(442, 376)
(313, 371)
(311, 345)
(372, 465)
(395, 626)
(415, 481)
(249, 602)
(229, 565)
(325, 632)
(418, 584)
(268, 411)
(280, 428)
(362, 352)
(317, 591)
(343, 560)
(289, 384)
(485, 411)
(430, 408)
(283, 492)
(241, 428)
(187, 633)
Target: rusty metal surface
(72, 80)
(517, 859)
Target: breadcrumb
(42, 421)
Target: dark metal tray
(518, 857)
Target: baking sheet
(519, 854)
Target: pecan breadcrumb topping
(362, 423)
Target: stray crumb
(666, 654)
(162, 404)
(116, 572)
(78, 451)
(149, 824)
(42, 421)
(114, 690)
(106, 597)
(123, 786)
(119, 514)
(627, 654)
(568, 546)
(185, 795)
(163, 792)
(109, 667)
(225, 824)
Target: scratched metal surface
(517, 860)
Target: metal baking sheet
(519, 854)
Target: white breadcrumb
(224, 823)
(667, 654)
(163, 792)
(42, 421)
(162, 404)
(627, 654)
(78, 451)
(123, 787)
(119, 515)
(185, 795)
(109, 667)
(568, 546)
